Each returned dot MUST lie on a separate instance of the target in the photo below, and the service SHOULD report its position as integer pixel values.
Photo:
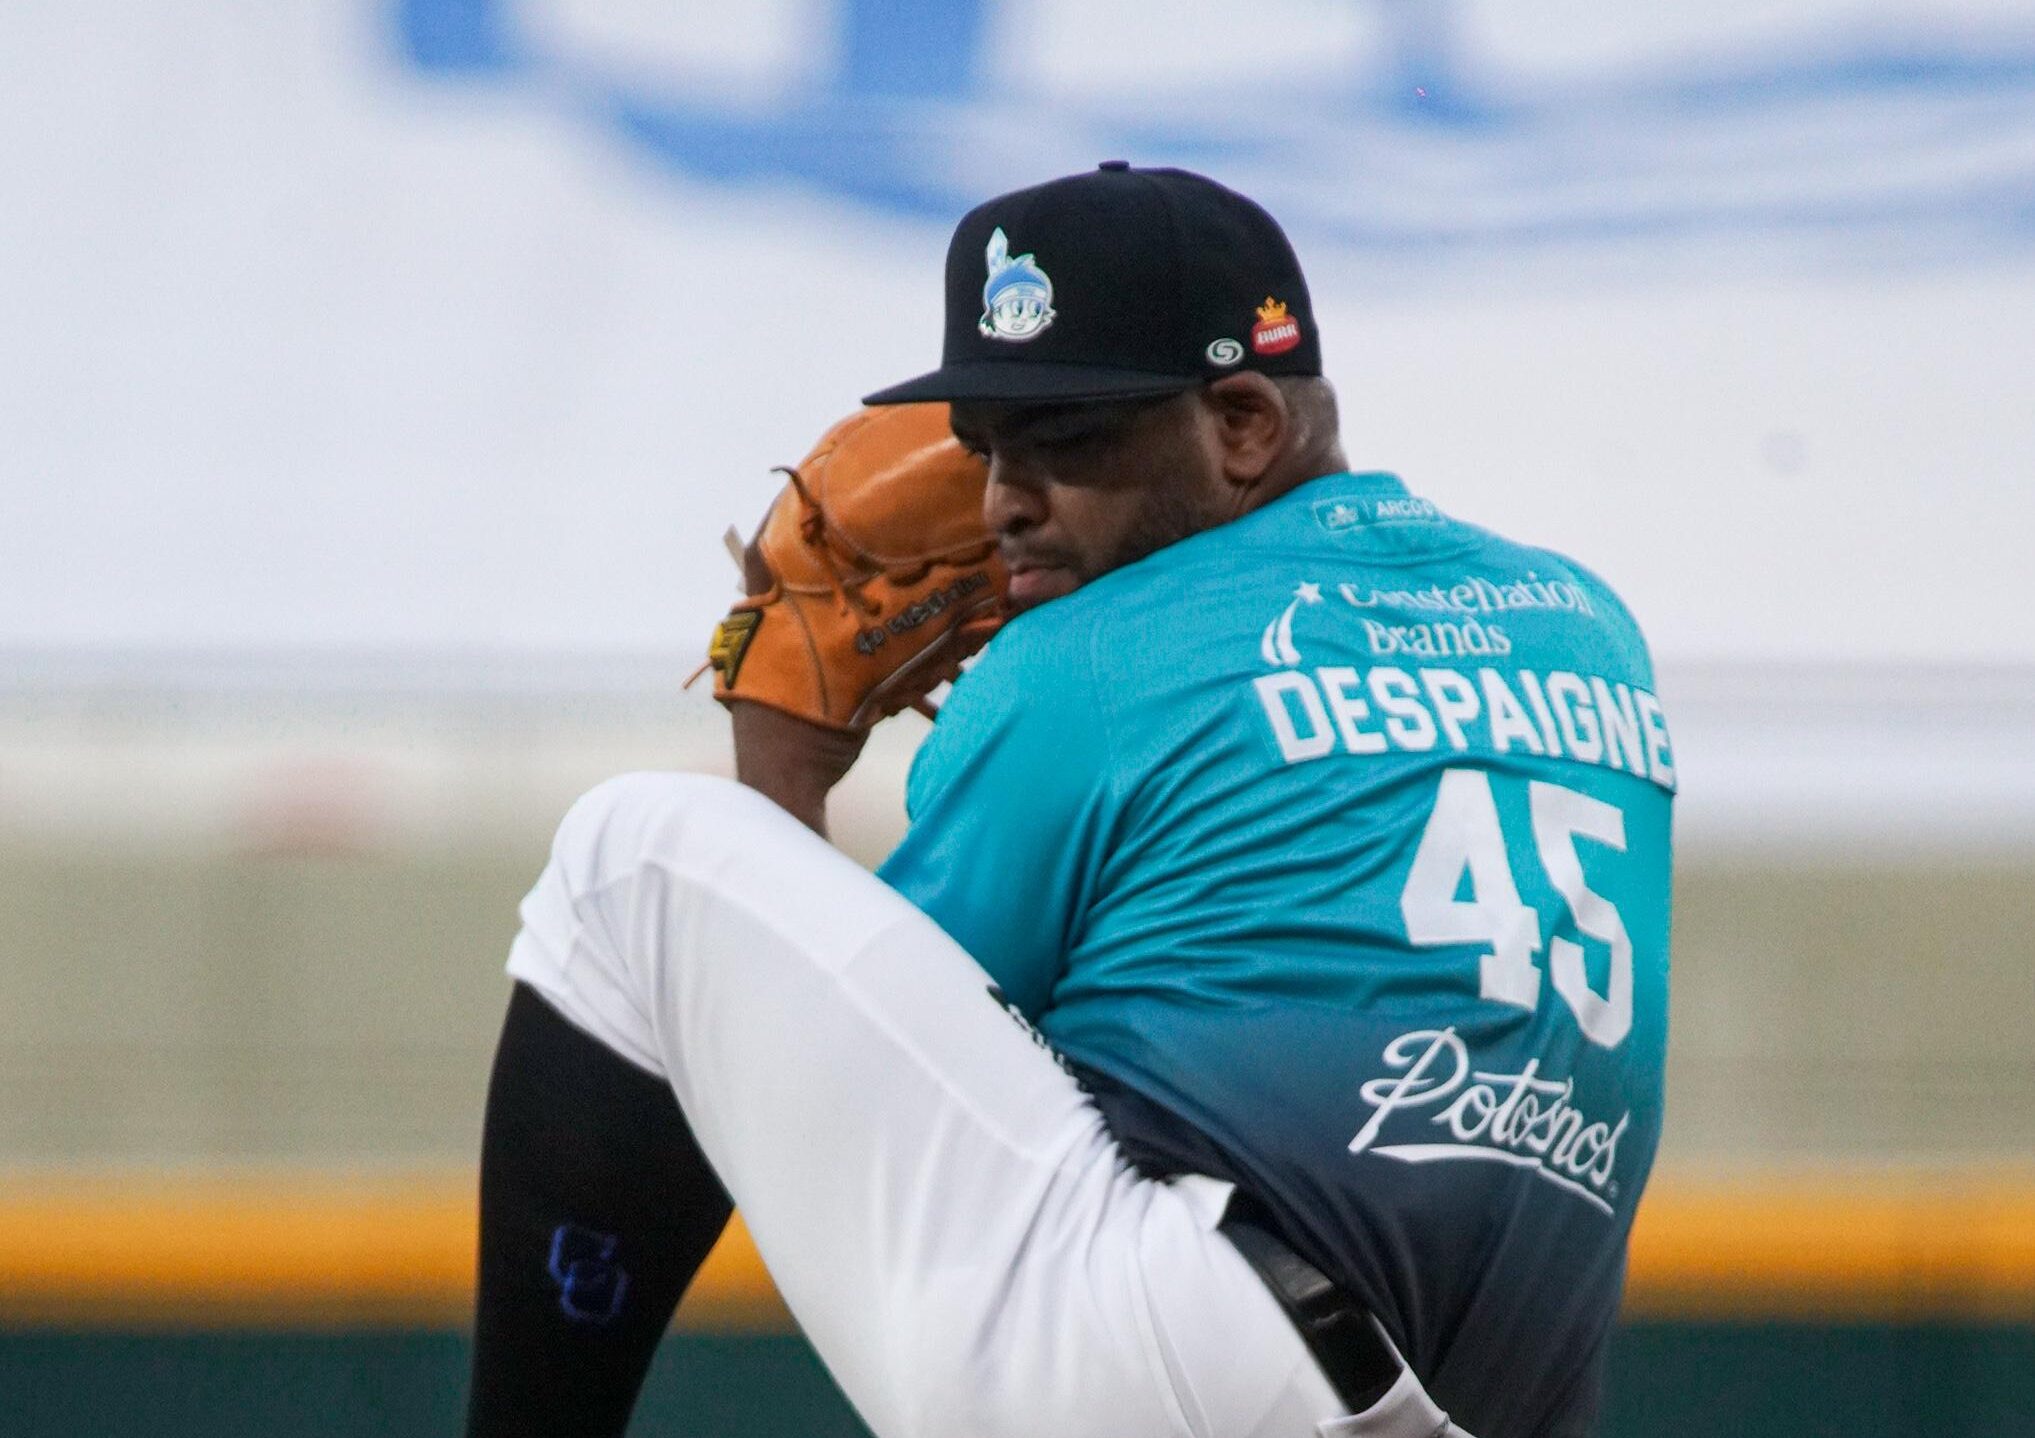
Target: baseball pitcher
(1259, 1030)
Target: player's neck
(1291, 472)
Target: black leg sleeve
(596, 1208)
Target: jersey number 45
(1463, 833)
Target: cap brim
(1027, 381)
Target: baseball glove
(872, 577)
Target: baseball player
(1259, 1030)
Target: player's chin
(1033, 585)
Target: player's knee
(625, 821)
(645, 792)
(622, 821)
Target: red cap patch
(1276, 331)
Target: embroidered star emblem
(1308, 594)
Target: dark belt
(1336, 1328)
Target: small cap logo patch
(1276, 331)
(1017, 298)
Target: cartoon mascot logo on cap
(1017, 299)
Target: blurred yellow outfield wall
(291, 1250)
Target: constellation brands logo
(1475, 595)
(1443, 639)
(1276, 645)
(1450, 620)
(1519, 1119)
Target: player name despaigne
(1563, 715)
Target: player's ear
(1251, 424)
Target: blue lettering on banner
(455, 36)
(1909, 148)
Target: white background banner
(461, 325)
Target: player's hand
(870, 580)
(790, 760)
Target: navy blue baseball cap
(1115, 283)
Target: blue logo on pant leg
(583, 1266)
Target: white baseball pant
(937, 1200)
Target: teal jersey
(1341, 833)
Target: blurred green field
(269, 1007)
(1667, 1380)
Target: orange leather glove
(871, 579)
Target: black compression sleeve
(596, 1208)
